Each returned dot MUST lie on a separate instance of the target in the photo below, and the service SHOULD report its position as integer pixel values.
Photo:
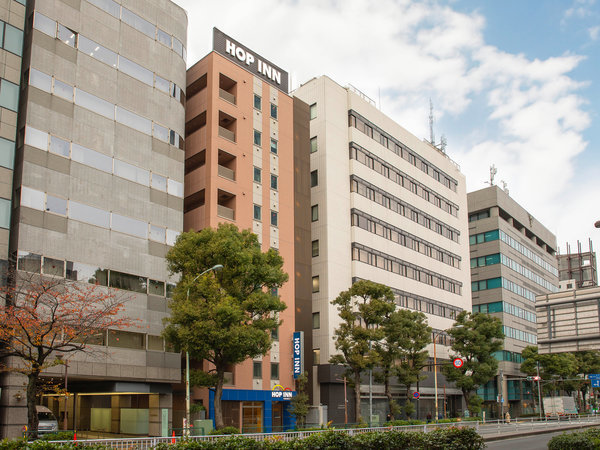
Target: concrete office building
(12, 22)
(386, 207)
(245, 136)
(98, 193)
(567, 321)
(512, 260)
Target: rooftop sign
(249, 60)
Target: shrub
(225, 430)
(454, 438)
(327, 440)
(571, 441)
(58, 436)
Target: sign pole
(539, 390)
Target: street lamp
(187, 357)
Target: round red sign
(457, 362)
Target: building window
(314, 213)
(314, 178)
(273, 111)
(315, 283)
(67, 35)
(257, 138)
(313, 144)
(273, 146)
(257, 102)
(313, 111)
(275, 334)
(257, 174)
(274, 371)
(316, 320)
(316, 357)
(257, 368)
(274, 218)
(274, 182)
(257, 212)
(315, 248)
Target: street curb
(499, 437)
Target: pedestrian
(429, 417)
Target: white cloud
(407, 52)
(594, 33)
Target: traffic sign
(457, 362)
(595, 382)
(416, 395)
(592, 376)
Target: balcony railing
(227, 96)
(226, 173)
(225, 212)
(225, 133)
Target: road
(538, 442)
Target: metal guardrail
(487, 428)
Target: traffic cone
(173, 437)
(75, 437)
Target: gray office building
(512, 260)
(97, 192)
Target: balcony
(227, 96)
(227, 126)
(226, 165)
(227, 134)
(225, 212)
(227, 88)
(226, 173)
(226, 205)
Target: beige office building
(387, 207)
(98, 193)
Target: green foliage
(223, 317)
(225, 430)
(554, 368)
(59, 436)
(362, 309)
(402, 351)
(475, 402)
(475, 338)
(452, 438)
(402, 423)
(41, 444)
(409, 408)
(571, 441)
(300, 403)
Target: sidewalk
(519, 429)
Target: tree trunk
(388, 393)
(467, 396)
(32, 418)
(218, 395)
(357, 415)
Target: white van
(46, 419)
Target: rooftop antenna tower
(493, 172)
(431, 135)
(504, 186)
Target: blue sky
(514, 83)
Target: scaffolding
(579, 266)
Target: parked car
(47, 420)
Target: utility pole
(539, 390)
(501, 395)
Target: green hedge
(453, 438)
(583, 440)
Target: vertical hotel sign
(297, 347)
(249, 60)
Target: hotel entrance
(277, 416)
(252, 417)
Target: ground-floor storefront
(105, 408)
(255, 411)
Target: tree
(228, 317)
(300, 402)
(362, 309)
(555, 368)
(588, 362)
(44, 318)
(475, 338)
(402, 353)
